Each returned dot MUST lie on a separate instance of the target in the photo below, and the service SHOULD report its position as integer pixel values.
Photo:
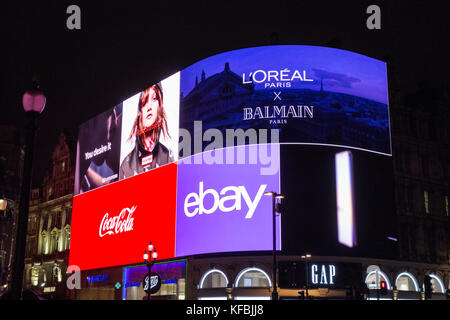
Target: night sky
(123, 47)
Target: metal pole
(307, 277)
(22, 225)
(274, 254)
(149, 266)
(378, 285)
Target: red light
(383, 284)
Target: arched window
(252, 277)
(437, 284)
(214, 278)
(371, 280)
(56, 274)
(406, 282)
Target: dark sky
(124, 46)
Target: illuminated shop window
(406, 282)
(436, 284)
(181, 289)
(371, 280)
(173, 284)
(253, 277)
(213, 279)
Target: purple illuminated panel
(222, 207)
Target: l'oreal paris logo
(283, 78)
(231, 200)
(118, 224)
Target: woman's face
(150, 109)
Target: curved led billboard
(189, 163)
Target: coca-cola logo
(118, 224)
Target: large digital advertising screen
(312, 95)
(189, 162)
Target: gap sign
(323, 274)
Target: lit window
(34, 276)
(436, 284)
(253, 277)
(426, 201)
(446, 205)
(406, 282)
(213, 279)
(374, 278)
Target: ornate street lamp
(274, 196)
(33, 104)
(150, 256)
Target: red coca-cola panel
(114, 224)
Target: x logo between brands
(277, 95)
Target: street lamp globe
(155, 255)
(146, 256)
(150, 247)
(34, 99)
(3, 204)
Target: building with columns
(48, 239)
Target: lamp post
(3, 205)
(306, 257)
(33, 104)
(150, 256)
(274, 196)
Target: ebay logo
(230, 198)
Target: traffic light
(428, 286)
(359, 295)
(383, 287)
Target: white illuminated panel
(344, 199)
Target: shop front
(127, 282)
(173, 281)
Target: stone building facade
(48, 239)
